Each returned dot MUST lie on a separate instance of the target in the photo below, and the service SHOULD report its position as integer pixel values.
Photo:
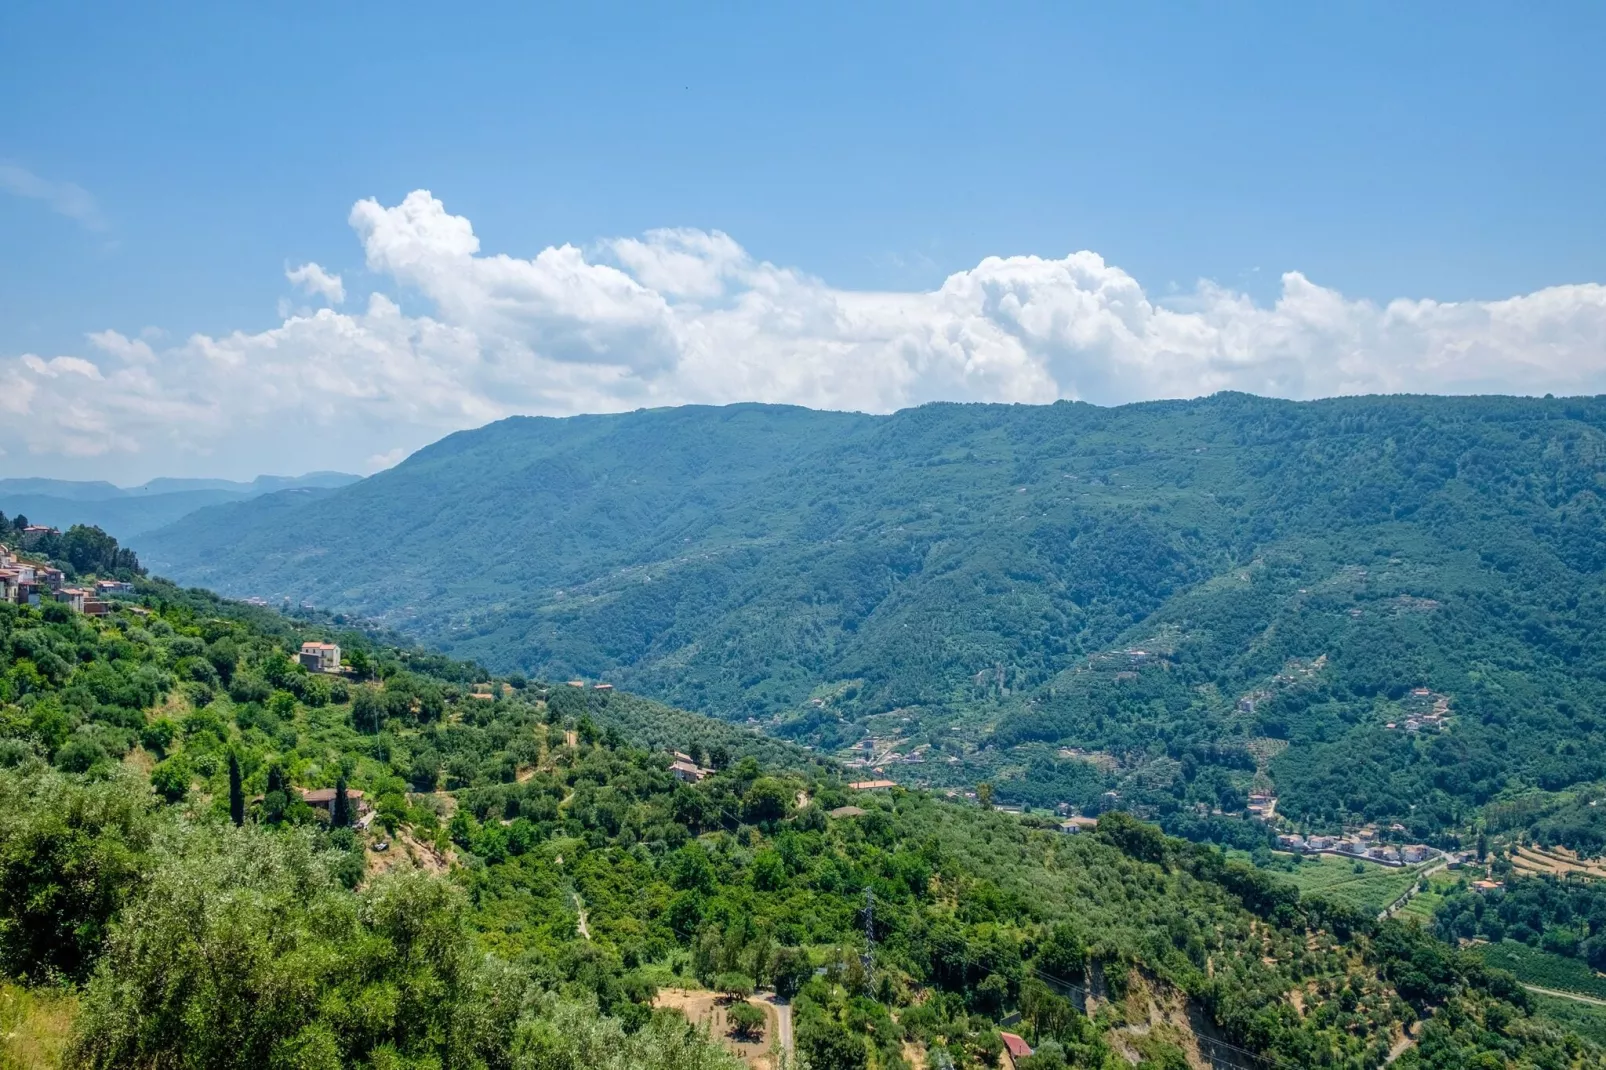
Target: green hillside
(521, 880)
(1199, 597)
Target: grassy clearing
(1373, 888)
(34, 1027)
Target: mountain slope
(989, 565)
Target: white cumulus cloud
(315, 280)
(677, 316)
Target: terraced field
(1555, 861)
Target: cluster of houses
(1425, 712)
(879, 752)
(30, 583)
(1360, 844)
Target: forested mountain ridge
(1291, 573)
(506, 873)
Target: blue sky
(161, 165)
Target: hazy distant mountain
(129, 511)
(66, 489)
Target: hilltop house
(1262, 807)
(872, 785)
(319, 657)
(324, 799)
(1073, 825)
(686, 771)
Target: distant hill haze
(128, 511)
(1123, 578)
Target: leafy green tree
(171, 778)
(747, 1021)
(367, 710)
(268, 905)
(71, 853)
(691, 870)
(733, 985)
(769, 872)
(791, 970)
(828, 1045)
(766, 801)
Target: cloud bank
(678, 316)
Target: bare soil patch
(405, 850)
(708, 1008)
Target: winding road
(783, 1025)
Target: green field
(1423, 904)
(1586, 1020)
(1372, 889)
(1535, 967)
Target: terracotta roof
(1018, 1048)
(872, 785)
(847, 811)
(314, 796)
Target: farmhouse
(319, 657)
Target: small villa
(687, 772)
(319, 657)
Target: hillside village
(31, 583)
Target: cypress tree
(340, 815)
(275, 778)
(236, 791)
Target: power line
(869, 932)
